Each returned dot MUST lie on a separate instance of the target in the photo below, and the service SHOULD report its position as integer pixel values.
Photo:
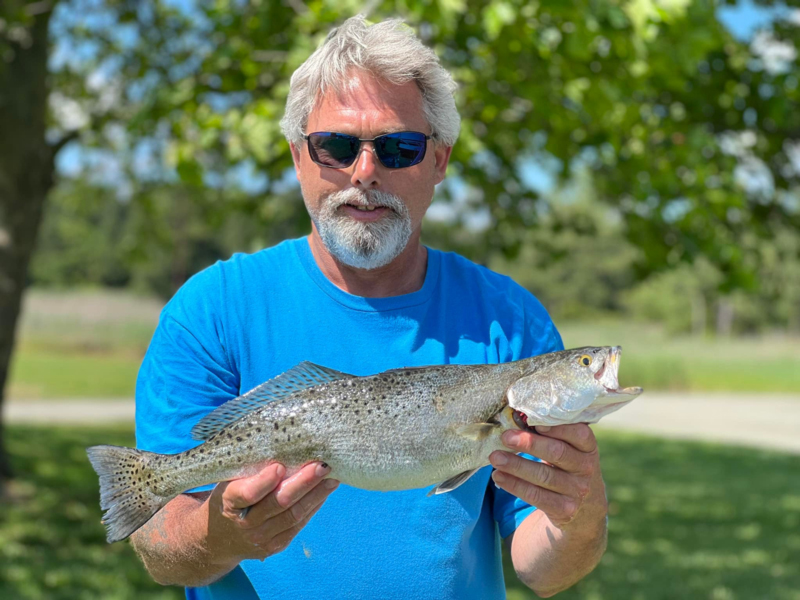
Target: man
(371, 122)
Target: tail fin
(125, 493)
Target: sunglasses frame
(307, 138)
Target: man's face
(372, 238)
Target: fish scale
(400, 429)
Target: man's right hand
(278, 509)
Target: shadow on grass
(691, 520)
(688, 521)
(52, 545)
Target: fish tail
(125, 490)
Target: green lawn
(90, 345)
(689, 521)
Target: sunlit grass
(688, 520)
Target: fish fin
(300, 377)
(124, 493)
(452, 483)
(477, 431)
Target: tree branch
(65, 139)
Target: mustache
(358, 197)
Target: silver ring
(243, 512)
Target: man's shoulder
(241, 275)
(476, 278)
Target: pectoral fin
(452, 483)
(477, 431)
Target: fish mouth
(521, 420)
(608, 374)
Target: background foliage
(605, 148)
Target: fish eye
(585, 360)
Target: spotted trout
(400, 429)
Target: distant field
(688, 521)
(659, 362)
(90, 344)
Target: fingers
(294, 518)
(242, 493)
(287, 493)
(541, 475)
(577, 435)
(278, 508)
(281, 541)
(559, 508)
(561, 451)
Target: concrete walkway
(763, 421)
(769, 421)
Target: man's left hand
(569, 487)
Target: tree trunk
(26, 175)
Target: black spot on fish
(238, 438)
(276, 426)
(284, 430)
(292, 421)
(258, 429)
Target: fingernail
(498, 458)
(322, 470)
(331, 484)
(498, 477)
(511, 438)
(543, 428)
(280, 471)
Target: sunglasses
(394, 150)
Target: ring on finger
(243, 512)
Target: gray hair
(388, 50)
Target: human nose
(365, 173)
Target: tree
(677, 120)
(26, 161)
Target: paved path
(764, 421)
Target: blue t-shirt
(243, 321)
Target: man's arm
(198, 538)
(562, 541)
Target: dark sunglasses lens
(400, 150)
(335, 150)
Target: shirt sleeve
(186, 372)
(540, 336)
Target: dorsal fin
(300, 377)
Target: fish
(400, 429)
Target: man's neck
(404, 275)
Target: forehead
(366, 106)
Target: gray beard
(363, 245)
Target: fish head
(572, 386)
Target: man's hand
(275, 509)
(564, 540)
(569, 489)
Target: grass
(52, 545)
(90, 345)
(651, 359)
(688, 520)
